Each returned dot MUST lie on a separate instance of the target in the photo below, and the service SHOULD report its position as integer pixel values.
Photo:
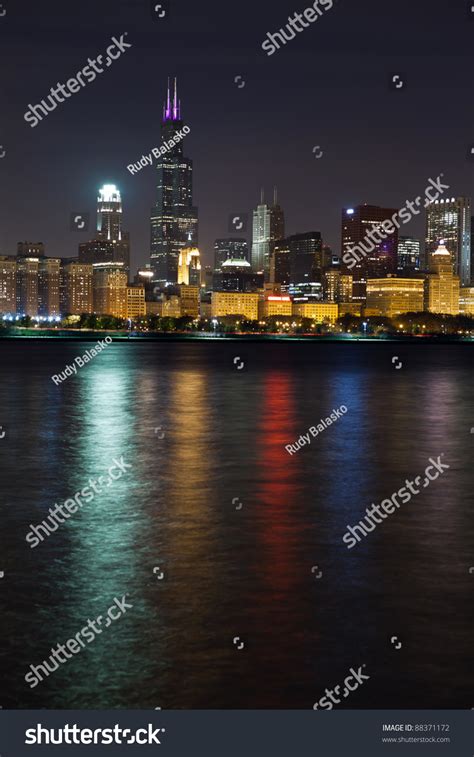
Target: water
(238, 527)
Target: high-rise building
(280, 271)
(466, 300)
(268, 227)
(7, 285)
(377, 253)
(393, 295)
(229, 248)
(76, 294)
(235, 303)
(189, 266)
(442, 285)
(237, 276)
(306, 257)
(136, 306)
(27, 285)
(111, 244)
(450, 220)
(408, 255)
(174, 219)
(110, 289)
(48, 286)
(189, 296)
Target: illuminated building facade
(275, 305)
(110, 289)
(27, 286)
(408, 255)
(174, 219)
(450, 220)
(466, 300)
(317, 311)
(48, 286)
(394, 295)
(442, 286)
(167, 306)
(30, 250)
(189, 266)
(135, 301)
(189, 296)
(229, 248)
(76, 294)
(111, 244)
(237, 276)
(7, 284)
(378, 256)
(268, 227)
(244, 304)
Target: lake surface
(237, 528)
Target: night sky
(329, 87)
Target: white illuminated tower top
(109, 212)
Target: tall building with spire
(174, 219)
(110, 244)
(268, 228)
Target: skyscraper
(380, 257)
(441, 285)
(173, 217)
(450, 220)
(229, 248)
(408, 255)
(111, 244)
(268, 227)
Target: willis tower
(174, 219)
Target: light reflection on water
(237, 573)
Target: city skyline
(242, 137)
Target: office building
(189, 297)
(7, 284)
(377, 254)
(174, 219)
(273, 304)
(317, 311)
(110, 244)
(135, 302)
(27, 286)
(394, 295)
(268, 227)
(450, 220)
(76, 292)
(110, 289)
(230, 248)
(30, 250)
(237, 276)
(442, 286)
(408, 255)
(48, 286)
(244, 304)
(466, 300)
(189, 266)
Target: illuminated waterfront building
(275, 305)
(110, 289)
(450, 220)
(76, 295)
(174, 219)
(7, 284)
(466, 300)
(189, 296)
(135, 302)
(48, 286)
(394, 295)
(166, 306)
(235, 303)
(317, 311)
(27, 286)
(237, 276)
(441, 285)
